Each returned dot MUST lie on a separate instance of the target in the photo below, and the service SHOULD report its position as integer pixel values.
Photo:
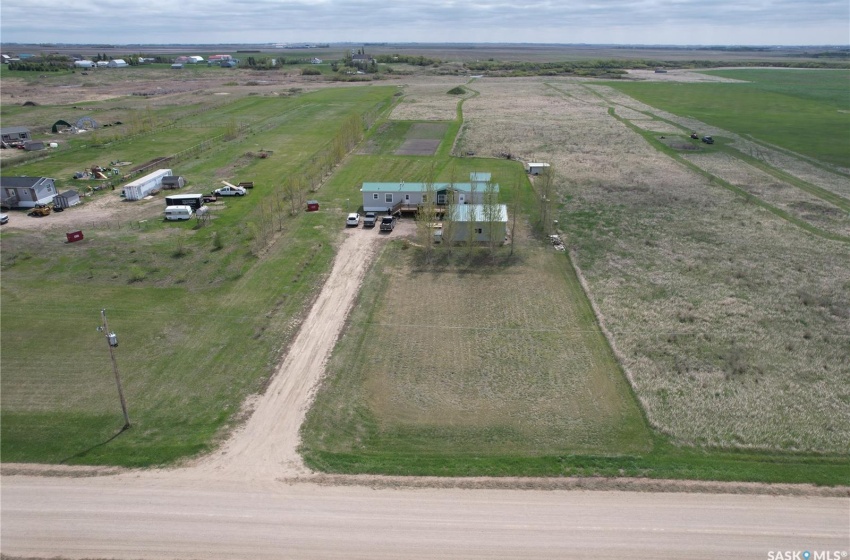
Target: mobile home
(142, 187)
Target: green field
(201, 319)
(806, 111)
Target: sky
(635, 22)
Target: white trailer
(142, 187)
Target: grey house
(380, 197)
(14, 134)
(26, 192)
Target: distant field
(435, 364)
(806, 111)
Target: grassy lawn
(806, 111)
(435, 365)
(201, 323)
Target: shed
(34, 145)
(173, 182)
(312, 206)
(83, 64)
(537, 168)
(67, 199)
(117, 63)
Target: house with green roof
(406, 197)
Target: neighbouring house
(14, 134)
(406, 197)
(473, 219)
(218, 58)
(117, 63)
(173, 182)
(362, 59)
(67, 199)
(537, 168)
(26, 192)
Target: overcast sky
(692, 22)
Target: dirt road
(266, 447)
(122, 517)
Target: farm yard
(718, 276)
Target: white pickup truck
(230, 191)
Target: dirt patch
(418, 148)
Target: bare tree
(545, 187)
(426, 217)
(491, 215)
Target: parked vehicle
(4, 218)
(209, 198)
(230, 191)
(708, 139)
(193, 200)
(388, 223)
(369, 219)
(39, 211)
(179, 212)
(353, 219)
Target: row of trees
(291, 196)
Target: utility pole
(112, 342)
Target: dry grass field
(731, 322)
(426, 100)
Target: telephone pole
(112, 342)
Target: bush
(459, 90)
(310, 72)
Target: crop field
(731, 321)
(202, 313)
(805, 111)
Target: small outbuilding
(173, 182)
(83, 64)
(34, 145)
(117, 63)
(537, 168)
(177, 66)
(67, 199)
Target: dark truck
(387, 223)
(369, 219)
